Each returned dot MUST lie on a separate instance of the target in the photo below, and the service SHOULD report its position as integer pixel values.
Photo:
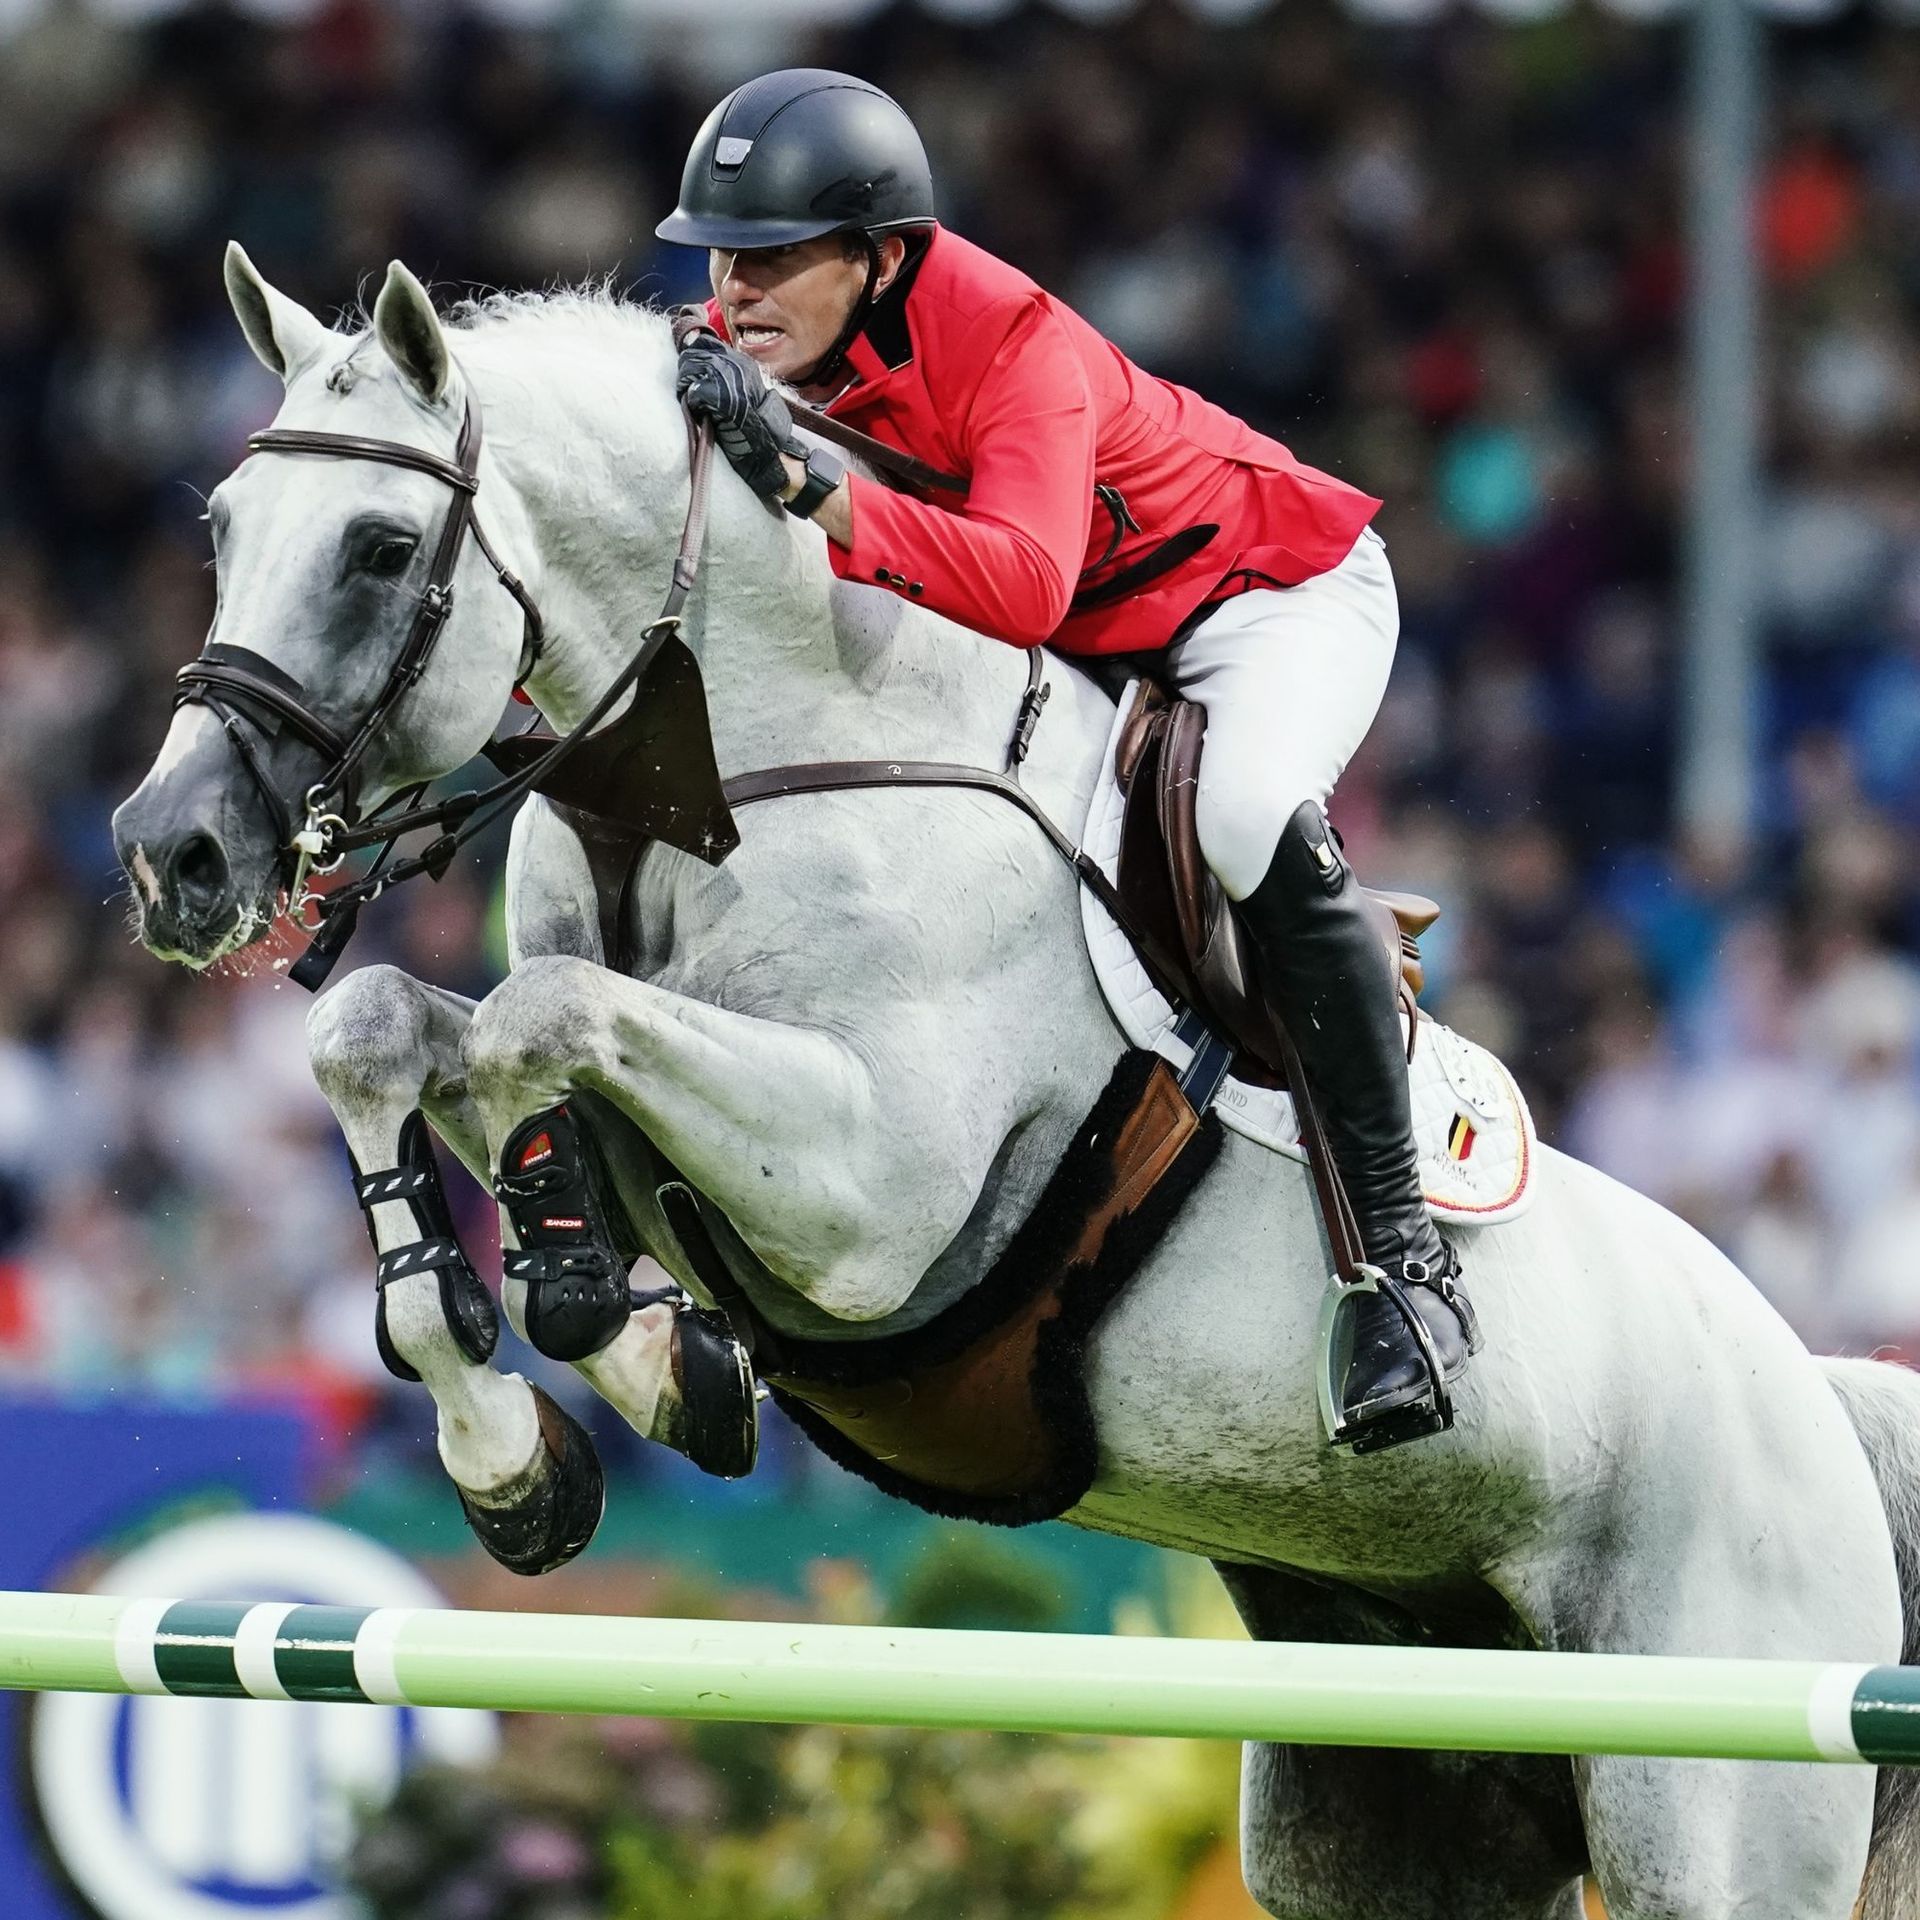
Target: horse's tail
(1883, 1402)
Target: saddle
(1184, 923)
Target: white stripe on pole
(253, 1642)
(133, 1645)
(1830, 1711)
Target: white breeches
(1291, 678)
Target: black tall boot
(1329, 976)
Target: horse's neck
(797, 666)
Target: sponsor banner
(212, 1805)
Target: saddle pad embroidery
(1474, 1135)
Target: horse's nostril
(199, 874)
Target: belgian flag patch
(1461, 1136)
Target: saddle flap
(1165, 880)
(1141, 872)
(1148, 704)
(1413, 913)
(1197, 895)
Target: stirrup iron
(1419, 1418)
(465, 1304)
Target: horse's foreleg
(808, 1141)
(383, 1046)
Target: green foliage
(648, 1820)
(874, 1824)
(968, 1577)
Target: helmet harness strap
(835, 357)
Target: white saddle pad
(1471, 1125)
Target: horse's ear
(409, 329)
(284, 335)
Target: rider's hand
(751, 424)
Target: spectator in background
(1440, 259)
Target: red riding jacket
(1105, 505)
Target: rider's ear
(284, 335)
(893, 256)
(409, 329)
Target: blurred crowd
(1443, 261)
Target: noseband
(240, 686)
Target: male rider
(1107, 512)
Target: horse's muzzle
(182, 880)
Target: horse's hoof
(718, 1427)
(554, 1518)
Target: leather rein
(246, 691)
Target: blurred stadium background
(1444, 252)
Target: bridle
(244, 689)
(235, 681)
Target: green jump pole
(1460, 1699)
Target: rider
(1108, 512)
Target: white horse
(867, 1039)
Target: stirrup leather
(465, 1303)
(1433, 1413)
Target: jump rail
(1020, 1682)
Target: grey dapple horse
(867, 1040)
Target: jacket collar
(874, 373)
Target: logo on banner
(204, 1809)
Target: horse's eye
(389, 559)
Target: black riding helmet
(798, 154)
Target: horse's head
(322, 564)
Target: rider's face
(786, 305)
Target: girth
(983, 1413)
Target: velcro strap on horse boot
(465, 1304)
(556, 1190)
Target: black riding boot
(1328, 974)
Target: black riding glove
(751, 424)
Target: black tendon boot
(552, 1515)
(465, 1303)
(1395, 1345)
(574, 1253)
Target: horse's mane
(591, 312)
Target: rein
(1174, 551)
(876, 453)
